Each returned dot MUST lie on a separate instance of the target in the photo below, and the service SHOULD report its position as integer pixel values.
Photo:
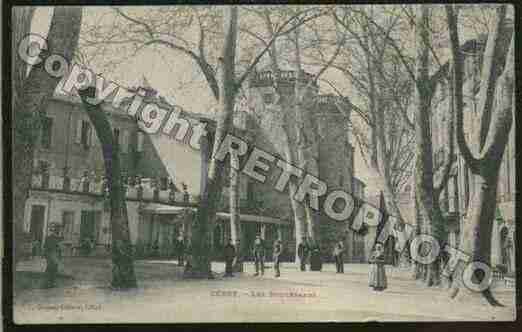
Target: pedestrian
(377, 273)
(259, 255)
(238, 261)
(278, 249)
(230, 254)
(180, 250)
(302, 253)
(52, 253)
(315, 257)
(338, 255)
(155, 249)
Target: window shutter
(140, 142)
(124, 141)
(89, 135)
(121, 138)
(78, 138)
(94, 138)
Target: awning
(155, 208)
(254, 218)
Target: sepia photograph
(260, 163)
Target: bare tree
(428, 189)
(428, 185)
(299, 141)
(31, 93)
(385, 140)
(496, 102)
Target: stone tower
(328, 137)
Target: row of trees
(391, 60)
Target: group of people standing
(309, 251)
(258, 252)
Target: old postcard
(348, 163)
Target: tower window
(47, 132)
(86, 134)
(116, 133)
(268, 98)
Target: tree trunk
(212, 191)
(307, 148)
(123, 276)
(482, 209)
(290, 136)
(234, 200)
(496, 102)
(30, 98)
(424, 151)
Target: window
(116, 133)
(85, 134)
(98, 226)
(125, 141)
(268, 98)
(141, 137)
(94, 137)
(164, 183)
(44, 168)
(47, 132)
(68, 224)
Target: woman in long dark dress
(377, 273)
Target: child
(377, 273)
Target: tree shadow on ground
(29, 280)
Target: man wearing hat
(259, 255)
(278, 249)
(230, 254)
(52, 253)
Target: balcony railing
(144, 192)
(266, 78)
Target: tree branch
(502, 121)
(492, 54)
(441, 183)
(458, 81)
(135, 21)
(280, 32)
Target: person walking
(180, 248)
(259, 255)
(302, 253)
(278, 249)
(377, 272)
(230, 254)
(338, 255)
(51, 253)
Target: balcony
(146, 192)
(266, 78)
